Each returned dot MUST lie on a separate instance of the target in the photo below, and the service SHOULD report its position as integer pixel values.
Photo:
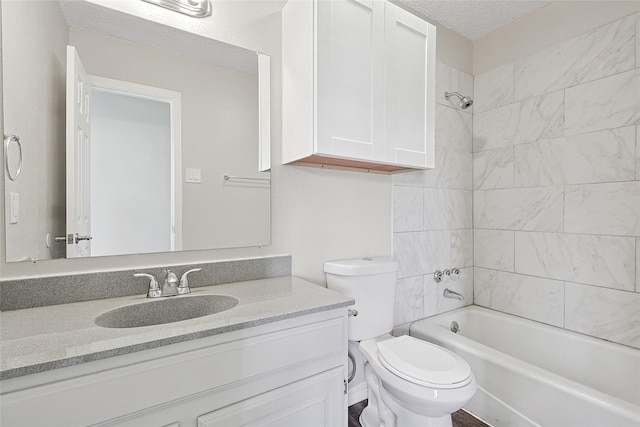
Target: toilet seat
(423, 363)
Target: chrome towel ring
(8, 139)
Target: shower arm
(448, 94)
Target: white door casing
(78, 146)
(264, 112)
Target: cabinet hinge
(346, 386)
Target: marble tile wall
(602, 52)
(530, 120)
(532, 297)
(556, 184)
(432, 211)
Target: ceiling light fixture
(195, 8)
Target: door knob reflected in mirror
(71, 239)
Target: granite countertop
(44, 338)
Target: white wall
(130, 175)
(40, 71)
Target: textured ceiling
(474, 18)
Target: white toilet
(410, 382)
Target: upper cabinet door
(409, 88)
(349, 69)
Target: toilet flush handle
(352, 312)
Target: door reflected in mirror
(165, 128)
(133, 160)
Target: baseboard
(357, 393)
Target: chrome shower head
(465, 101)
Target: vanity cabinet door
(312, 402)
(409, 89)
(350, 73)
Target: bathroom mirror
(173, 154)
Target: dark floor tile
(464, 419)
(354, 413)
(459, 419)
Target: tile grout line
(557, 280)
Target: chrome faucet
(448, 293)
(170, 287)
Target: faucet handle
(183, 288)
(154, 289)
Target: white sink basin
(165, 310)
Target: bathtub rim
(441, 333)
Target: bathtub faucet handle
(437, 276)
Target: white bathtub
(531, 374)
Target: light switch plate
(15, 208)
(193, 176)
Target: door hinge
(346, 386)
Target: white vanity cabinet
(358, 85)
(290, 372)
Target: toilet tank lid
(362, 266)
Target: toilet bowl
(422, 387)
(410, 382)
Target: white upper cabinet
(358, 85)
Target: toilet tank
(371, 282)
